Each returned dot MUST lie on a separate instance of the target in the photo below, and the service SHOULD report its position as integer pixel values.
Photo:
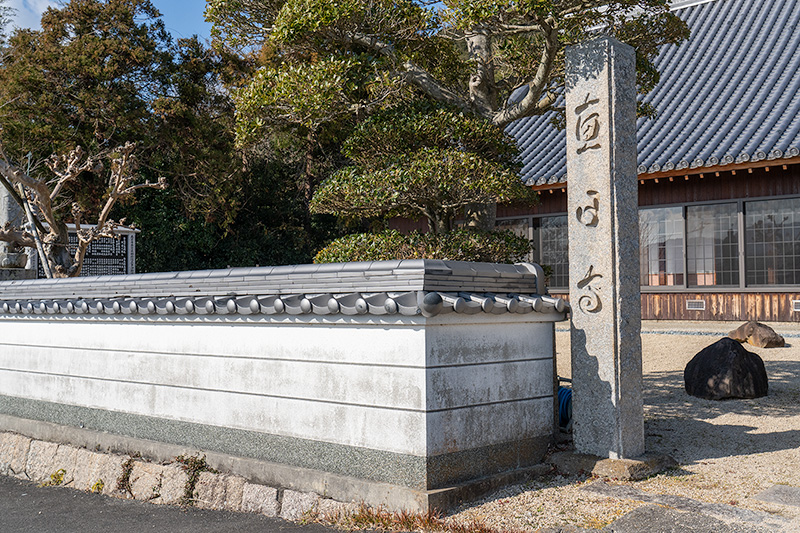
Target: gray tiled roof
(731, 94)
(410, 287)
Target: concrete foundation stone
(297, 504)
(625, 469)
(162, 484)
(219, 491)
(41, 460)
(260, 499)
(332, 509)
(13, 453)
(81, 470)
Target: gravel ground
(728, 451)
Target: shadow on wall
(695, 438)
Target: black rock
(725, 370)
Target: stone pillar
(604, 249)
(12, 259)
(10, 211)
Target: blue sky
(182, 17)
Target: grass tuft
(365, 517)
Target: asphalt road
(25, 507)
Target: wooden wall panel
(551, 201)
(759, 183)
(406, 225)
(769, 307)
(726, 186)
(730, 306)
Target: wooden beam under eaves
(723, 170)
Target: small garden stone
(758, 334)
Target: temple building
(719, 171)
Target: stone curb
(124, 476)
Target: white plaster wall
(489, 381)
(358, 381)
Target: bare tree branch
(17, 236)
(581, 7)
(67, 169)
(122, 168)
(514, 29)
(531, 104)
(40, 191)
(423, 79)
(412, 72)
(18, 199)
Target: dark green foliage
(101, 73)
(422, 160)
(84, 79)
(390, 134)
(272, 227)
(376, 67)
(457, 245)
(469, 53)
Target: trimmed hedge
(459, 245)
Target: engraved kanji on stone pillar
(604, 249)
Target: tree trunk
(56, 250)
(482, 87)
(438, 225)
(481, 216)
(308, 170)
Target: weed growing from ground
(124, 481)
(193, 465)
(56, 478)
